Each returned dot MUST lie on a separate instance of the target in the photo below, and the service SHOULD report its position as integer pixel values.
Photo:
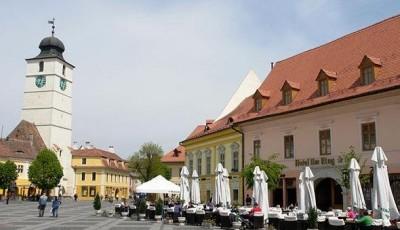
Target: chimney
(111, 149)
(272, 65)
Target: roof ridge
(342, 37)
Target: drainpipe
(242, 135)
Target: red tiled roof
(95, 152)
(263, 93)
(24, 142)
(328, 73)
(379, 42)
(174, 156)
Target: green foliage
(270, 167)
(312, 218)
(147, 162)
(344, 168)
(97, 202)
(159, 206)
(142, 206)
(45, 171)
(8, 174)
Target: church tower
(48, 102)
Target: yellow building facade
(204, 152)
(102, 172)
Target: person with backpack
(55, 205)
(42, 204)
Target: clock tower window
(63, 70)
(41, 66)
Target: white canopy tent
(184, 186)
(382, 197)
(195, 191)
(227, 187)
(158, 185)
(357, 196)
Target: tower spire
(53, 26)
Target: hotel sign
(318, 161)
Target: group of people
(55, 205)
(362, 218)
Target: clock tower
(48, 102)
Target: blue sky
(153, 70)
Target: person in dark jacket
(42, 204)
(55, 205)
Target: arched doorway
(328, 194)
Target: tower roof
(51, 47)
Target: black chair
(225, 220)
(258, 220)
(118, 209)
(323, 225)
(274, 222)
(152, 213)
(200, 214)
(191, 216)
(289, 225)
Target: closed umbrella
(257, 193)
(184, 186)
(357, 196)
(382, 197)
(219, 194)
(227, 187)
(309, 189)
(264, 202)
(302, 204)
(195, 191)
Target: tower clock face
(40, 81)
(63, 84)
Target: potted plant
(97, 204)
(159, 209)
(142, 209)
(312, 219)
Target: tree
(270, 167)
(45, 171)
(8, 174)
(344, 171)
(97, 202)
(147, 162)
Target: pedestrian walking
(75, 197)
(42, 204)
(55, 205)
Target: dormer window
(260, 99)
(369, 69)
(368, 75)
(325, 80)
(287, 96)
(289, 91)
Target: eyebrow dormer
(326, 81)
(369, 69)
(260, 99)
(289, 91)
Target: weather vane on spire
(53, 26)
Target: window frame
(328, 147)
(367, 80)
(41, 66)
(256, 148)
(199, 165)
(235, 161)
(208, 164)
(368, 132)
(83, 176)
(287, 96)
(323, 87)
(94, 176)
(288, 140)
(258, 104)
(83, 161)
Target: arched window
(199, 161)
(221, 155)
(235, 157)
(208, 161)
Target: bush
(142, 206)
(159, 206)
(97, 202)
(312, 218)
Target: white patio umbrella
(260, 190)
(219, 194)
(184, 186)
(357, 196)
(227, 187)
(382, 197)
(302, 204)
(195, 191)
(309, 189)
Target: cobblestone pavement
(72, 215)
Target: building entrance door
(328, 194)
